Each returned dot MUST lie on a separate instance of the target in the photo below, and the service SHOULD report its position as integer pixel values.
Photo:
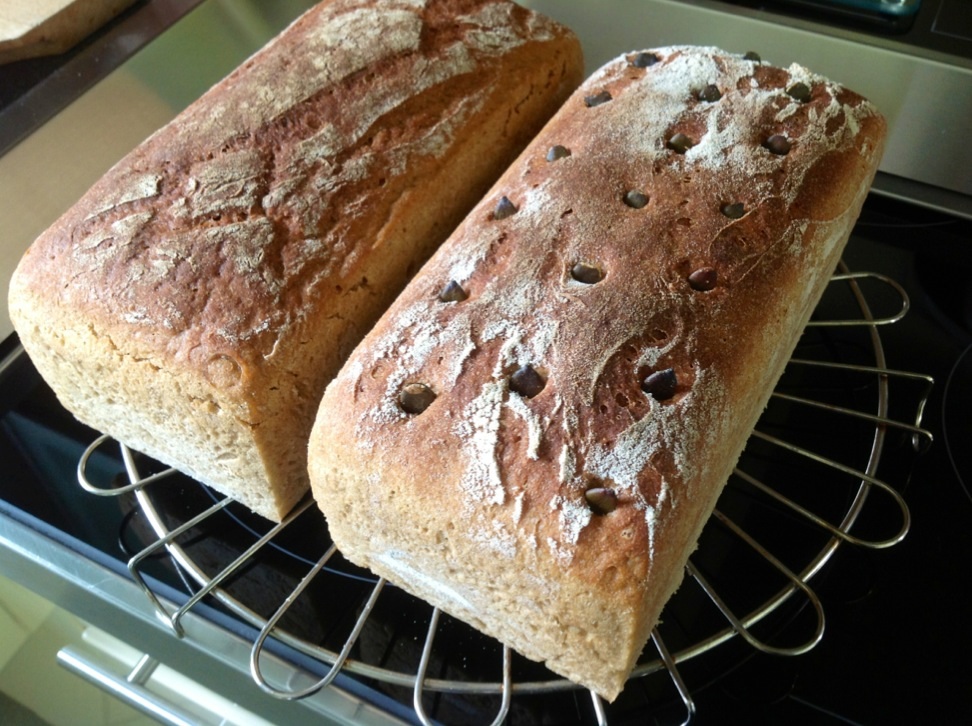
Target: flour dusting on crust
(593, 342)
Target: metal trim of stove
(63, 570)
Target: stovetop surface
(895, 617)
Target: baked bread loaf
(195, 302)
(534, 435)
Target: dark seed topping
(733, 211)
(752, 56)
(504, 208)
(453, 292)
(710, 93)
(557, 152)
(661, 385)
(635, 199)
(644, 60)
(799, 91)
(597, 99)
(602, 500)
(526, 381)
(415, 398)
(588, 274)
(703, 279)
(778, 144)
(680, 143)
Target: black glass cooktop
(895, 618)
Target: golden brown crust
(230, 263)
(479, 503)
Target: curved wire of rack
(796, 583)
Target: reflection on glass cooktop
(944, 26)
(880, 7)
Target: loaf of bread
(197, 300)
(534, 435)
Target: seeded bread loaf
(534, 435)
(195, 302)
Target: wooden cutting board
(30, 28)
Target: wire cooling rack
(806, 485)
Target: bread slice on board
(534, 435)
(31, 28)
(195, 302)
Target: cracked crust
(195, 302)
(479, 503)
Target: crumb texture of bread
(197, 300)
(534, 435)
